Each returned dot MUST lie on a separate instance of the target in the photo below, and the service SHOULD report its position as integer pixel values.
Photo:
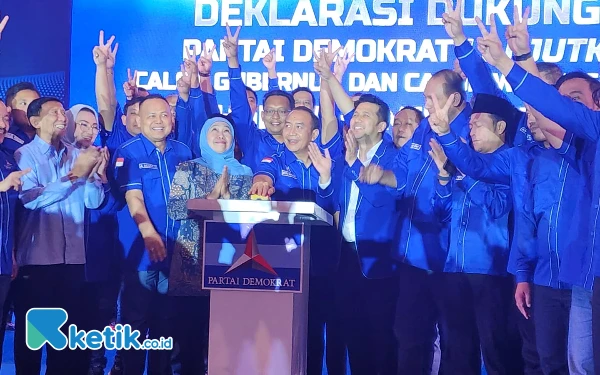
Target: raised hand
(206, 59)
(262, 189)
(104, 54)
(439, 120)
(224, 179)
(489, 44)
(330, 54)
(269, 61)
(102, 164)
(191, 69)
(230, 42)
(85, 162)
(221, 189)
(3, 24)
(517, 35)
(351, 147)
(322, 163)
(453, 23)
(130, 86)
(184, 84)
(438, 155)
(13, 180)
(111, 56)
(341, 64)
(322, 68)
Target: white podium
(256, 265)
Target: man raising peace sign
(423, 240)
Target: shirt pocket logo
(147, 166)
(288, 173)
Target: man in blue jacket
(257, 143)
(144, 168)
(295, 174)
(476, 296)
(576, 110)
(422, 240)
(368, 286)
(542, 210)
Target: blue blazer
(376, 214)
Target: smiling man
(368, 286)
(405, 123)
(51, 239)
(144, 168)
(295, 174)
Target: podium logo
(43, 326)
(252, 258)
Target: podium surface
(256, 266)
(259, 211)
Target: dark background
(36, 45)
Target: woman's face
(86, 129)
(219, 137)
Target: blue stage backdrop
(398, 43)
(35, 45)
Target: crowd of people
(462, 238)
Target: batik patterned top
(194, 181)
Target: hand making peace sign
(230, 42)
(453, 22)
(206, 59)
(517, 35)
(439, 120)
(104, 54)
(489, 44)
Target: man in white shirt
(367, 272)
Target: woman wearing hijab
(215, 175)
(82, 126)
(102, 262)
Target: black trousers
(59, 286)
(102, 309)
(190, 334)
(324, 328)
(477, 318)
(596, 324)
(146, 307)
(551, 308)
(416, 318)
(367, 312)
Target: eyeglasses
(281, 112)
(86, 126)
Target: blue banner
(253, 257)
(398, 44)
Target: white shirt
(349, 226)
